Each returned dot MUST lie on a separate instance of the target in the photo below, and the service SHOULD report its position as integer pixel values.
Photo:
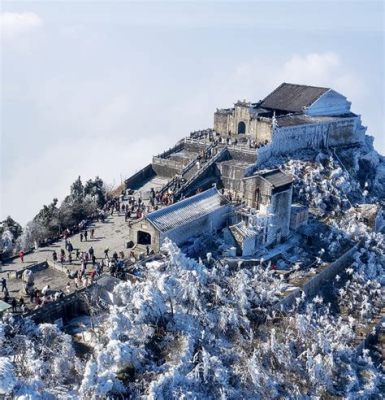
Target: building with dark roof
(269, 193)
(293, 98)
(293, 117)
(264, 218)
(203, 213)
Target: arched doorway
(241, 128)
(144, 238)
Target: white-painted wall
(330, 103)
(279, 221)
(249, 246)
(321, 134)
(205, 224)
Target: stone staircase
(195, 173)
(187, 173)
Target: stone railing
(201, 133)
(178, 147)
(184, 171)
(168, 162)
(34, 268)
(65, 309)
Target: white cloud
(323, 69)
(318, 67)
(15, 24)
(57, 167)
(253, 80)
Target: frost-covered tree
(33, 232)
(97, 190)
(187, 331)
(36, 360)
(9, 224)
(48, 217)
(73, 211)
(7, 242)
(7, 377)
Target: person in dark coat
(14, 305)
(3, 284)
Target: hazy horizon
(96, 88)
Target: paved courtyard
(111, 234)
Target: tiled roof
(187, 210)
(292, 98)
(277, 178)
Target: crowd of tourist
(214, 137)
(36, 296)
(82, 266)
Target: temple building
(265, 218)
(319, 117)
(205, 212)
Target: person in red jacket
(21, 255)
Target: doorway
(144, 238)
(241, 128)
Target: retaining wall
(137, 180)
(58, 266)
(34, 268)
(175, 149)
(244, 155)
(195, 147)
(65, 309)
(312, 287)
(166, 167)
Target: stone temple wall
(319, 135)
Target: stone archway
(241, 128)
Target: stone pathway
(112, 234)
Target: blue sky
(96, 88)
